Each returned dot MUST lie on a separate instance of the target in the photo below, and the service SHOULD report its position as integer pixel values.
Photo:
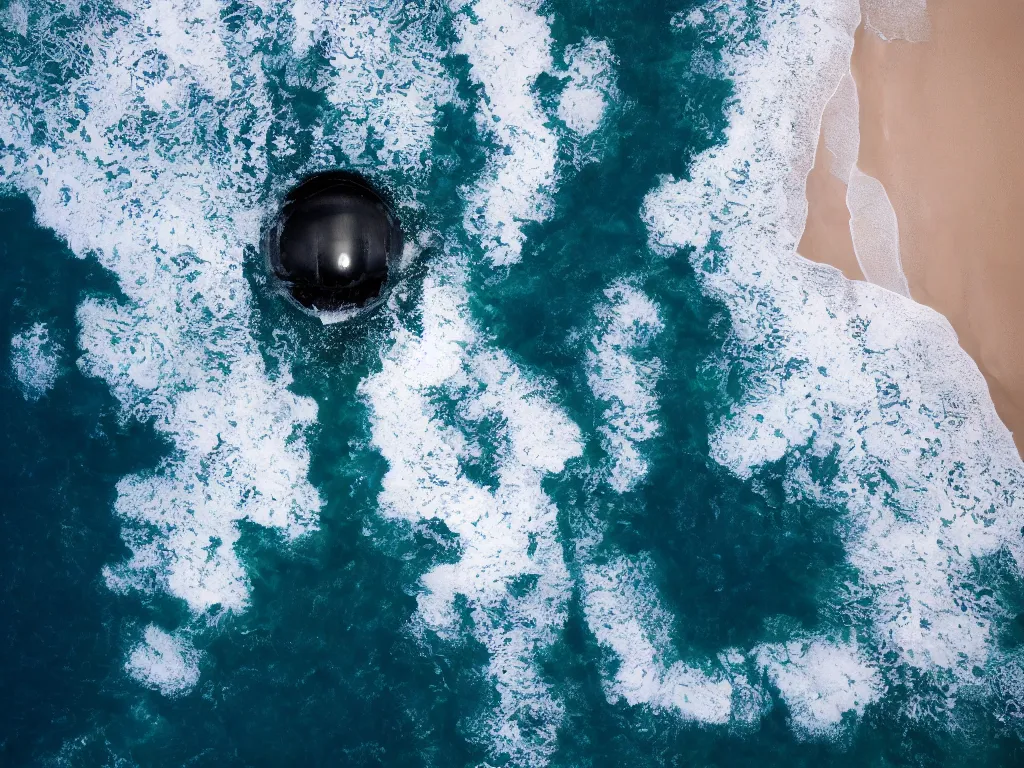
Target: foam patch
(165, 662)
(35, 361)
(627, 324)
(385, 78)
(15, 18)
(509, 46)
(591, 89)
(821, 683)
(626, 616)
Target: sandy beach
(827, 232)
(941, 126)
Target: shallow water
(611, 478)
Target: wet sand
(942, 127)
(827, 232)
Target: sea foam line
(826, 682)
(628, 322)
(508, 44)
(627, 618)
(511, 571)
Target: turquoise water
(611, 478)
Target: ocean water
(612, 477)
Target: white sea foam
(626, 616)
(190, 36)
(826, 685)
(928, 475)
(591, 88)
(627, 323)
(15, 18)
(385, 80)
(511, 572)
(821, 682)
(35, 361)
(169, 663)
(875, 232)
(509, 45)
(841, 128)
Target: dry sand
(942, 127)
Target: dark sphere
(333, 241)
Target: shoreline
(937, 122)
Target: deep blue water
(611, 478)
